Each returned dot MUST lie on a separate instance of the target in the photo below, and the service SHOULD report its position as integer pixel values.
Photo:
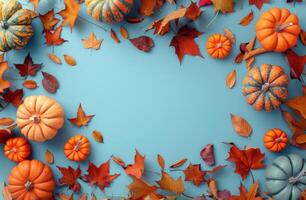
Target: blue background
(149, 101)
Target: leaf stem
(92, 23)
(213, 19)
(252, 175)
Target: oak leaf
(49, 82)
(248, 195)
(246, 160)
(4, 84)
(296, 64)
(136, 170)
(99, 176)
(169, 184)
(241, 126)
(194, 174)
(54, 38)
(70, 13)
(184, 43)
(139, 189)
(28, 68)
(92, 42)
(81, 119)
(48, 20)
(70, 178)
(258, 3)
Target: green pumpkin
(286, 177)
(15, 25)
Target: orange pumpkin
(218, 46)
(31, 179)
(265, 87)
(77, 148)
(39, 118)
(277, 29)
(17, 149)
(275, 140)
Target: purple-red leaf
(207, 154)
(50, 83)
(296, 64)
(28, 67)
(143, 43)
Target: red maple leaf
(258, 3)
(296, 64)
(136, 170)
(99, 176)
(246, 159)
(70, 177)
(54, 38)
(194, 174)
(184, 43)
(14, 97)
(28, 67)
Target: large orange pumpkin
(218, 46)
(277, 29)
(265, 87)
(77, 148)
(17, 149)
(39, 118)
(31, 179)
(275, 140)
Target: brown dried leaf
(50, 83)
(97, 135)
(231, 79)
(230, 35)
(124, 33)
(119, 161)
(114, 36)
(6, 194)
(179, 163)
(247, 19)
(161, 161)
(241, 126)
(6, 121)
(29, 84)
(55, 58)
(69, 60)
(49, 157)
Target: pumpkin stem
(219, 44)
(28, 185)
(35, 119)
(265, 87)
(294, 179)
(281, 27)
(77, 146)
(4, 25)
(279, 139)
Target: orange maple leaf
(246, 159)
(169, 184)
(136, 170)
(194, 174)
(48, 20)
(82, 119)
(298, 104)
(4, 84)
(70, 13)
(139, 190)
(92, 42)
(54, 38)
(247, 195)
(70, 178)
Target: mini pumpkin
(109, 11)
(277, 29)
(31, 179)
(218, 46)
(39, 118)
(15, 25)
(265, 87)
(17, 149)
(275, 140)
(286, 177)
(77, 148)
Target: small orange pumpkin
(39, 118)
(77, 148)
(275, 140)
(277, 29)
(31, 179)
(218, 46)
(17, 149)
(265, 87)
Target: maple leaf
(82, 119)
(70, 177)
(225, 6)
(28, 67)
(298, 104)
(48, 20)
(184, 43)
(194, 174)
(247, 195)
(136, 170)
(14, 97)
(258, 3)
(54, 38)
(4, 84)
(139, 190)
(99, 176)
(246, 159)
(169, 184)
(296, 64)
(70, 13)
(92, 42)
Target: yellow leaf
(92, 42)
(54, 58)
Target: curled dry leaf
(49, 82)
(179, 163)
(207, 154)
(161, 161)
(114, 36)
(143, 43)
(55, 58)
(6, 121)
(69, 60)
(119, 161)
(97, 135)
(230, 35)
(247, 19)
(241, 126)
(231, 79)
(49, 157)
(5, 193)
(124, 33)
(29, 84)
